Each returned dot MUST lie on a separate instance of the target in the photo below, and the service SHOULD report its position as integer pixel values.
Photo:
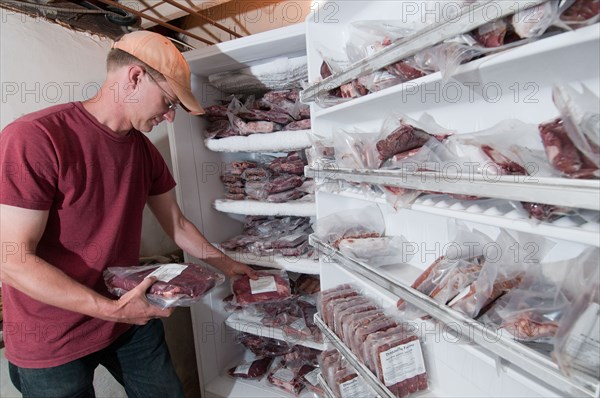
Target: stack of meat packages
(275, 111)
(292, 368)
(342, 378)
(390, 349)
(287, 302)
(268, 236)
(278, 181)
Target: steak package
(356, 224)
(255, 369)
(288, 378)
(176, 284)
(271, 285)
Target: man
(75, 179)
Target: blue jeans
(139, 360)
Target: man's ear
(134, 76)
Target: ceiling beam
(204, 18)
(156, 20)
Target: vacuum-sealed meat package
(399, 364)
(255, 369)
(271, 285)
(289, 379)
(176, 284)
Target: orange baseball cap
(159, 53)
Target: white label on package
(167, 272)
(284, 374)
(264, 284)
(311, 376)
(583, 343)
(402, 362)
(352, 389)
(242, 369)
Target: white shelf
(502, 215)
(252, 325)
(297, 208)
(526, 359)
(555, 191)
(280, 141)
(294, 264)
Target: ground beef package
(176, 284)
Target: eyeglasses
(172, 105)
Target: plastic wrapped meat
(286, 196)
(270, 286)
(581, 11)
(293, 163)
(403, 139)
(266, 116)
(445, 278)
(290, 380)
(507, 166)
(220, 129)
(544, 212)
(562, 153)
(492, 33)
(399, 363)
(176, 284)
(303, 124)
(264, 346)
(251, 370)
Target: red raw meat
(562, 153)
(403, 139)
(581, 10)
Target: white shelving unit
(513, 84)
(523, 78)
(198, 164)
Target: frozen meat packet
(271, 285)
(176, 284)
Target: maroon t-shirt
(95, 186)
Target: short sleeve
(29, 166)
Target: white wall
(44, 64)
